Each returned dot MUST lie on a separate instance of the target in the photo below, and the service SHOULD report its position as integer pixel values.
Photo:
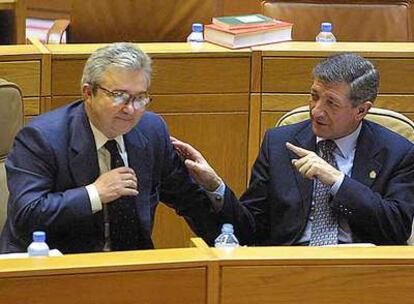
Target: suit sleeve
(250, 214)
(34, 201)
(383, 217)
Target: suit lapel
(306, 140)
(366, 165)
(83, 159)
(140, 159)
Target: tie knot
(111, 146)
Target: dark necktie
(122, 213)
(324, 223)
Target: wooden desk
(294, 275)
(203, 94)
(379, 275)
(158, 276)
(13, 21)
(23, 65)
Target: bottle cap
(326, 27)
(227, 228)
(197, 27)
(39, 236)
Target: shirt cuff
(96, 204)
(216, 197)
(335, 187)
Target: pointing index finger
(297, 150)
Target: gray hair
(117, 55)
(354, 70)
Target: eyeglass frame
(137, 104)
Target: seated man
(335, 178)
(90, 174)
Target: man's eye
(141, 97)
(332, 103)
(120, 98)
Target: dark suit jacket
(377, 200)
(55, 157)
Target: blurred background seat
(11, 120)
(353, 20)
(145, 20)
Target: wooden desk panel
(211, 134)
(288, 75)
(170, 76)
(294, 75)
(316, 275)
(201, 75)
(158, 276)
(340, 284)
(150, 286)
(23, 65)
(24, 73)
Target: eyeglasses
(139, 101)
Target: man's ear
(363, 109)
(87, 91)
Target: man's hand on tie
(118, 182)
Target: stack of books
(247, 30)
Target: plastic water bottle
(226, 238)
(326, 33)
(196, 34)
(38, 247)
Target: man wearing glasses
(91, 173)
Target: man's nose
(129, 108)
(317, 109)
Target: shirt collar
(101, 139)
(346, 144)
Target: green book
(244, 21)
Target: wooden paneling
(200, 103)
(222, 139)
(201, 75)
(396, 75)
(66, 77)
(157, 276)
(178, 286)
(288, 75)
(294, 275)
(31, 106)
(290, 275)
(341, 284)
(25, 73)
(170, 76)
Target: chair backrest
(353, 20)
(11, 120)
(387, 118)
(137, 21)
